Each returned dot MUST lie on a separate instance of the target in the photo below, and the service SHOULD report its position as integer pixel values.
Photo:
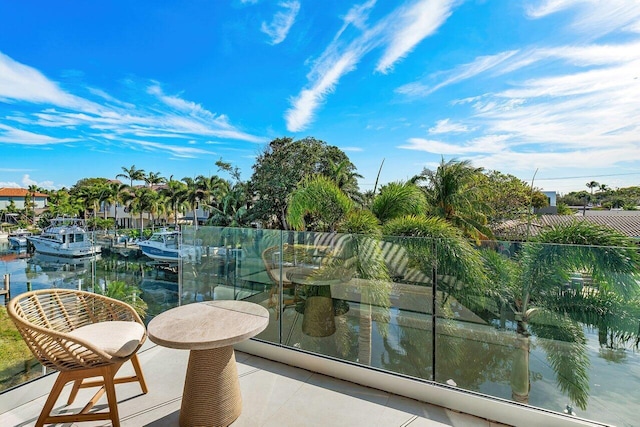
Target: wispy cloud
(12, 135)
(397, 33)
(482, 145)
(593, 17)
(410, 26)
(160, 117)
(282, 21)
(463, 72)
(19, 82)
(447, 126)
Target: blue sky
(170, 86)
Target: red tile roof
(18, 192)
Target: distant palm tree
(603, 187)
(132, 174)
(175, 193)
(195, 193)
(591, 185)
(154, 178)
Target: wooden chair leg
(61, 381)
(138, 369)
(109, 374)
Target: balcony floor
(274, 394)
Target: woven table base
(211, 394)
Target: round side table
(211, 395)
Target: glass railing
(551, 326)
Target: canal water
(158, 282)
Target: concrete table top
(208, 325)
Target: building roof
(19, 192)
(517, 230)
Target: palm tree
(132, 174)
(591, 185)
(453, 193)
(154, 178)
(345, 178)
(398, 199)
(175, 193)
(542, 303)
(193, 195)
(321, 198)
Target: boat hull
(49, 247)
(18, 241)
(158, 253)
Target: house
(17, 195)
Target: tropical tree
(318, 199)
(174, 195)
(591, 185)
(132, 174)
(280, 168)
(346, 178)
(454, 194)
(194, 193)
(398, 199)
(154, 178)
(544, 305)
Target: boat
(18, 238)
(164, 245)
(65, 237)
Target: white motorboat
(18, 238)
(164, 245)
(65, 237)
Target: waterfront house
(17, 195)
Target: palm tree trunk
(520, 383)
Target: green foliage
(442, 245)
(361, 221)
(319, 198)
(563, 209)
(454, 193)
(398, 199)
(125, 292)
(278, 171)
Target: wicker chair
(82, 335)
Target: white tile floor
(274, 394)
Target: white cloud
(12, 135)
(594, 17)
(282, 22)
(352, 149)
(19, 82)
(412, 25)
(463, 72)
(174, 117)
(175, 150)
(483, 145)
(340, 57)
(27, 181)
(9, 184)
(305, 104)
(447, 126)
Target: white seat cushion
(117, 338)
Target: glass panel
(552, 326)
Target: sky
(546, 90)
